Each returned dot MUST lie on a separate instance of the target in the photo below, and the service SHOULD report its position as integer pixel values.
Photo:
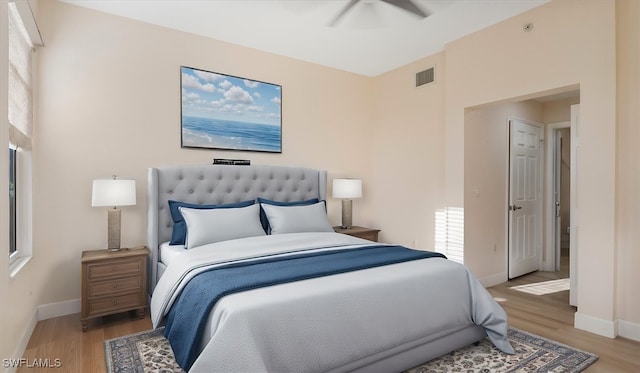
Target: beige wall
(570, 40)
(628, 158)
(407, 153)
(111, 105)
(556, 111)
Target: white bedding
(331, 323)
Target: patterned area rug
(149, 351)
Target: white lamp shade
(347, 188)
(113, 192)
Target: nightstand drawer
(112, 304)
(114, 287)
(114, 268)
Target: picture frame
(220, 111)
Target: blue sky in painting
(217, 96)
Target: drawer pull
(115, 269)
(115, 286)
(115, 302)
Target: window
(22, 33)
(449, 233)
(12, 201)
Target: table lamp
(113, 192)
(347, 189)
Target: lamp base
(346, 214)
(113, 230)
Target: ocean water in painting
(227, 134)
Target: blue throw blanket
(187, 316)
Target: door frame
(541, 186)
(550, 234)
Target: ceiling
(372, 38)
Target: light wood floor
(548, 315)
(551, 316)
(62, 338)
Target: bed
(385, 317)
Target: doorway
(559, 192)
(486, 182)
(562, 156)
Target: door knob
(514, 207)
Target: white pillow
(297, 219)
(215, 225)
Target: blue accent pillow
(263, 215)
(179, 233)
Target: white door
(557, 193)
(525, 197)
(573, 228)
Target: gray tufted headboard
(217, 184)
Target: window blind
(20, 89)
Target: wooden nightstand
(112, 282)
(361, 232)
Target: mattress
(168, 253)
(336, 323)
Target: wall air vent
(425, 77)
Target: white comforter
(323, 324)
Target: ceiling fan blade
(343, 12)
(409, 6)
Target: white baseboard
(493, 280)
(24, 341)
(51, 310)
(43, 312)
(605, 328)
(629, 330)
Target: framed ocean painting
(221, 111)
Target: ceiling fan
(406, 5)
